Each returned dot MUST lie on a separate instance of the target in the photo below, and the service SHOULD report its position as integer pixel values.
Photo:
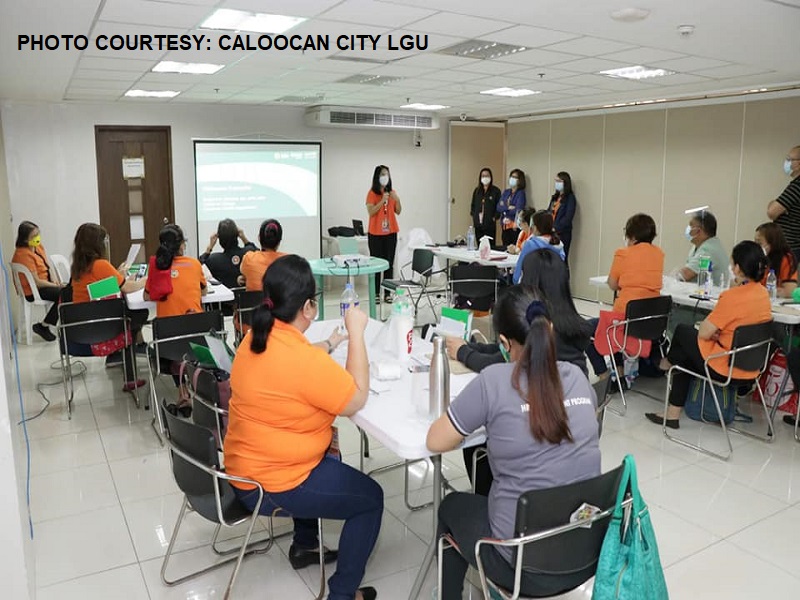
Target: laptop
(358, 227)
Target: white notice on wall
(133, 168)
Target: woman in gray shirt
(539, 436)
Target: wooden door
(134, 208)
(472, 147)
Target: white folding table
(217, 293)
(397, 417)
(501, 260)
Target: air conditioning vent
(341, 116)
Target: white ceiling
(737, 45)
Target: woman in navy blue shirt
(512, 202)
(562, 206)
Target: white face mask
(688, 232)
(383, 180)
(787, 166)
(559, 186)
(486, 180)
(512, 182)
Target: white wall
(53, 177)
(17, 566)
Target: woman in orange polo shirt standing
(746, 303)
(176, 282)
(90, 265)
(255, 264)
(30, 253)
(636, 273)
(780, 258)
(383, 206)
(279, 428)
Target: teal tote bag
(629, 567)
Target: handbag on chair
(629, 567)
(631, 345)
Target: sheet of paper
(451, 327)
(133, 252)
(133, 168)
(219, 352)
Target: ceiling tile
(436, 61)
(537, 57)
(605, 83)
(450, 75)
(731, 71)
(108, 75)
(398, 70)
(369, 12)
(677, 79)
(591, 65)
(99, 84)
(90, 94)
(113, 63)
(145, 12)
(643, 56)
(193, 2)
(548, 74)
(589, 46)
(295, 8)
(690, 63)
(152, 82)
(463, 25)
(491, 67)
(531, 37)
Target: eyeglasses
(789, 158)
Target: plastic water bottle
(772, 285)
(709, 282)
(471, 238)
(402, 325)
(348, 300)
(703, 275)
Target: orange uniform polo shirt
(188, 282)
(35, 259)
(745, 304)
(639, 270)
(787, 274)
(254, 265)
(523, 237)
(387, 212)
(100, 269)
(283, 403)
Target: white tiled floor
(104, 505)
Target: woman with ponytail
(285, 394)
(255, 264)
(541, 432)
(745, 303)
(174, 281)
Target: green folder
(105, 288)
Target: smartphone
(419, 368)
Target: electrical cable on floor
(39, 387)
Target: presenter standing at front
(383, 206)
(512, 203)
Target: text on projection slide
(145, 41)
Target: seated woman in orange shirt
(255, 264)
(524, 230)
(89, 265)
(30, 253)
(636, 273)
(746, 303)
(279, 428)
(176, 282)
(780, 258)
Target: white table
(397, 417)
(216, 293)
(682, 290)
(501, 260)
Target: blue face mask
(559, 186)
(688, 232)
(787, 166)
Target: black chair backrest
(185, 325)
(473, 280)
(71, 316)
(648, 329)
(198, 485)
(244, 302)
(206, 389)
(575, 551)
(746, 335)
(422, 261)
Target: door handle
(452, 200)
(166, 221)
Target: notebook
(105, 288)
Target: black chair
(244, 303)
(601, 389)
(172, 337)
(207, 410)
(473, 282)
(546, 542)
(421, 264)
(645, 319)
(750, 351)
(84, 323)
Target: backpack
(698, 391)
